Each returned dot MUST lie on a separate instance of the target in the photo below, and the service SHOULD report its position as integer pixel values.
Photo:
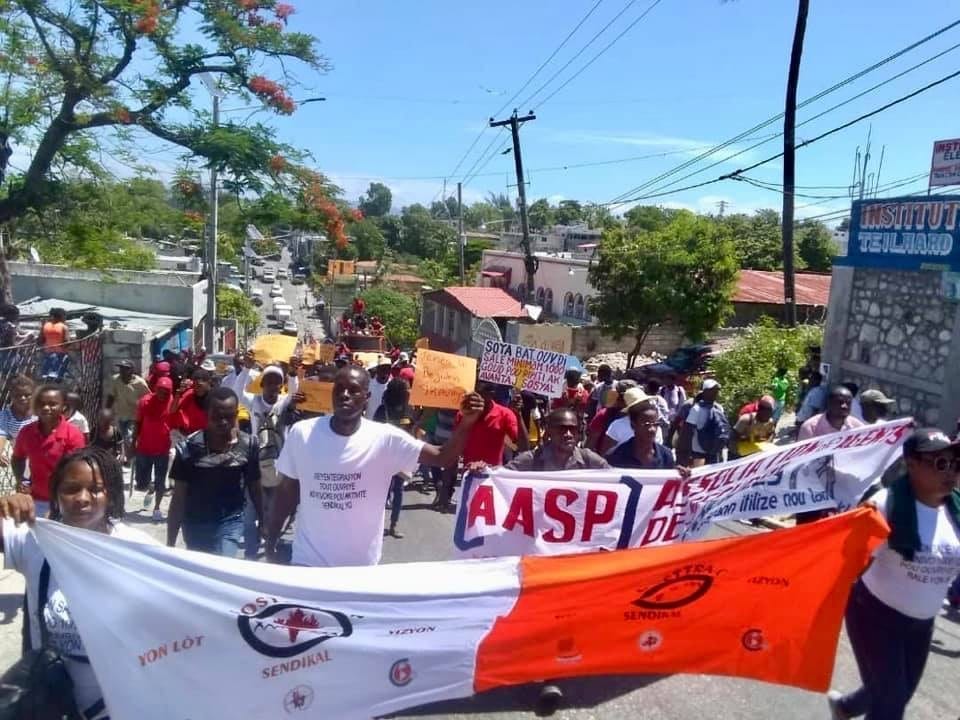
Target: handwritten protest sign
(319, 396)
(558, 338)
(523, 368)
(442, 379)
(274, 348)
(317, 353)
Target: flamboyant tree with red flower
(78, 73)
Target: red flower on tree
(122, 115)
(248, 4)
(277, 163)
(283, 11)
(356, 214)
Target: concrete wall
(124, 345)
(892, 330)
(588, 340)
(164, 293)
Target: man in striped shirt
(15, 415)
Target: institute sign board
(906, 233)
(945, 165)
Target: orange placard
(767, 607)
(274, 348)
(422, 344)
(319, 396)
(442, 379)
(317, 353)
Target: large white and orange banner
(223, 638)
(504, 513)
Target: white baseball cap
(710, 384)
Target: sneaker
(395, 533)
(836, 711)
(148, 499)
(157, 515)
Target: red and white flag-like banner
(504, 513)
(228, 638)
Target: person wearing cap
(613, 403)
(266, 412)
(126, 389)
(694, 446)
(151, 442)
(642, 451)
(403, 360)
(378, 384)
(753, 432)
(892, 607)
(621, 429)
(874, 406)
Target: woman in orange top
(55, 332)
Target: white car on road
(269, 275)
(276, 291)
(290, 328)
(282, 274)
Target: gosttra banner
(504, 513)
(224, 638)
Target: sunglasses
(941, 463)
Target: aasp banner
(523, 368)
(504, 513)
(231, 638)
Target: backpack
(270, 437)
(715, 433)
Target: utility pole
(461, 238)
(530, 262)
(722, 204)
(210, 326)
(789, 166)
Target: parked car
(298, 279)
(684, 363)
(282, 274)
(276, 291)
(290, 328)
(256, 296)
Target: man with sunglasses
(891, 611)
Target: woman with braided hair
(86, 491)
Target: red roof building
(766, 286)
(451, 316)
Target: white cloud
(405, 191)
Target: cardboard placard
(274, 348)
(523, 368)
(558, 338)
(442, 379)
(422, 344)
(319, 396)
(321, 353)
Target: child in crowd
(75, 417)
(109, 437)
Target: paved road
(294, 295)
(679, 697)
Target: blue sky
(414, 82)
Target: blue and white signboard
(909, 233)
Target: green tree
(569, 212)
(684, 273)
(438, 274)
(746, 369)
(398, 312)
(815, 245)
(73, 72)
(422, 235)
(392, 229)
(541, 215)
(367, 240)
(599, 217)
(237, 306)
(476, 216)
(376, 201)
(648, 217)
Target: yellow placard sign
(366, 359)
(442, 379)
(422, 344)
(254, 386)
(319, 396)
(321, 353)
(556, 338)
(274, 348)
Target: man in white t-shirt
(378, 384)
(339, 469)
(892, 608)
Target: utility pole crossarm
(530, 262)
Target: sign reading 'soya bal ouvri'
(523, 368)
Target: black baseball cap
(125, 364)
(928, 440)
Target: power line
(527, 83)
(779, 116)
(482, 157)
(736, 173)
(810, 119)
(597, 56)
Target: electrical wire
(596, 57)
(736, 173)
(779, 116)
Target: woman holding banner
(892, 607)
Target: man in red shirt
(151, 442)
(190, 411)
(495, 425)
(359, 306)
(42, 444)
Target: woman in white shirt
(86, 491)
(892, 608)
